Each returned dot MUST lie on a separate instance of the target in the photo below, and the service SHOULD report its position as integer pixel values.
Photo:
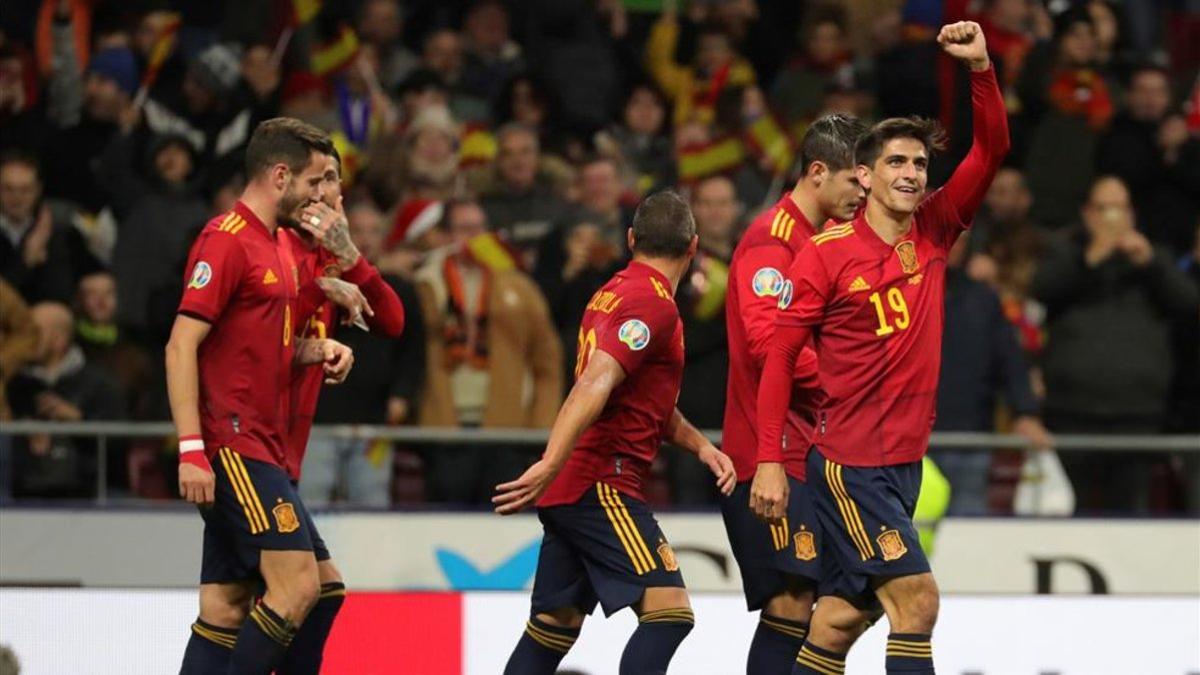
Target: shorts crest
(891, 545)
(285, 518)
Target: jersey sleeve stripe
(238, 490)
(833, 233)
(848, 510)
(252, 493)
(775, 223)
(788, 224)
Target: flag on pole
(335, 54)
(164, 45)
(304, 11)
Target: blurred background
(515, 138)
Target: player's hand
(196, 485)
(964, 41)
(721, 466)
(349, 297)
(769, 492)
(516, 495)
(337, 360)
(331, 230)
(1032, 429)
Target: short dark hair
(870, 144)
(23, 158)
(830, 140)
(285, 140)
(663, 226)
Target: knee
(566, 617)
(224, 610)
(842, 628)
(296, 595)
(793, 606)
(918, 612)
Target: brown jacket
(18, 340)
(523, 348)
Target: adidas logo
(270, 278)
(859, 284)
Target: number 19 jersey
(632, 318)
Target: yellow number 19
(895, 300)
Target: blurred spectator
(18, 340)
(59, 386)
(1010, 27)
(380, 24)
(39, 254)
(598, 188)
(443, 54)
(640, 140)
(522, 192)
(420, 164)
(1007, 257)
(162, 211)
(1149, 148)
(1066, 103)
(422, 89)
(981, 362)
(493, 357)
(1110, 298)
(701, 298)
(382, 389)
(23, 122)
(525, 100)
(692, 86)
(799, 91)
(106, 346)
(491, 56)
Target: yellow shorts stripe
(780, 534)
(235, 480)
(635, 535)
(639, 565)
(251, 492)
(848, 510)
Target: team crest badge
(891, 545)
(285, 518)
(668, 557)
(806, 548)
(635, 334)
(201, 275)
(908, 257)
(785, 296)
(767, 281)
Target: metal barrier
(983, 442)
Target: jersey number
(587, 345)
(895, 300)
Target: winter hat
(414, 218)
(218, 68)
(118, 65)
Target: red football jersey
(317, 318)
(876, 312)
(634, 319)
(756, 288)
(243, 283)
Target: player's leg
(783, 625)
(562, 596)
(911, 603)
(304, 655)
(223, 608)
(664, 619)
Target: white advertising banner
(478, 551)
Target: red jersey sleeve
(638, 328)
(760, 276)
(389, 311)
(810, 287)
(216, 267)
(950, 210)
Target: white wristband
(191, 445)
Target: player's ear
(818, 172)
(864, 176)
(694, 246)
(629, 241)
(279, 176)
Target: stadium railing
(483, 438)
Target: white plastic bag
(1044, 489)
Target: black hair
(831, 140)
(285, 140)
(663, 226)
(870, 144)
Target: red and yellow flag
(335, 54)
(304, 11)
(164, 45)
(699, 161)
(493, 253)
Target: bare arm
(196, 481)
(583, 405)
(683, 433)
(336, 358)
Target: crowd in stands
(492, 153)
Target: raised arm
(990, 141)
(583, 405)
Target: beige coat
(18, 339)
(525, 355)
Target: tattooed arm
(332, 231)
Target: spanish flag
(492, 252)
(304, 11)
(477, 147)
(164, 45)
(335, 54)
(709, 159)
(765, 138)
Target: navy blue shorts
(256, 508)
(773, 558)
(866, 522)
(606, 548)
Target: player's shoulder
(833, 238)
(639, 291)
(230, 223)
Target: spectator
(981, 361)
(421, 164)
(40, 255)
(491, 56)
(23, 123)
(493, 359)
(106, 346)
(59, 386)
(1110, 298)
(164, 212)
(18, 341)
(641, 142)
(1150, 149)
(381, 24)
(701, 298)
(526, 101)
(422, 89)
(382, 389)
(691, 85)
(1067, 103)
(443, 54)
(826, 63)
(599, 201)
(522, 192)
